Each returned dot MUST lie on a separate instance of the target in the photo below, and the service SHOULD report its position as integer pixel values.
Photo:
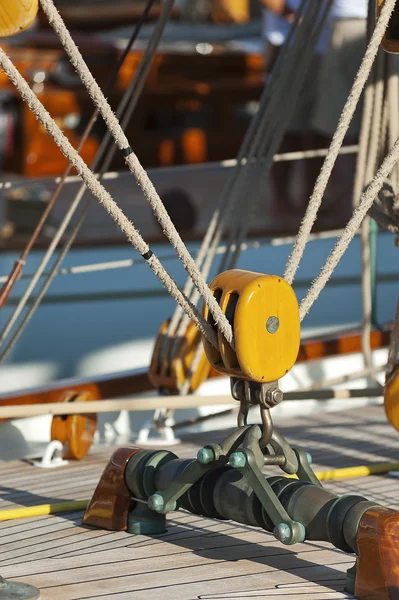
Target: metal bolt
(284, 532)
(309, 458)
(272, 324)
(274, 396)
(205, 456)
(238, 460)
(156, 503)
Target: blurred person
(289, 196)
(346, 45)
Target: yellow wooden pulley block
(391, 399)
(264, 315)
(390, 41)
(16, 15)
(170, 374)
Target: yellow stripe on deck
(16, 16)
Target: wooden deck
(196, 558)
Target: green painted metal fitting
(309, 457)
(238, 460)
(156, 503)
(205, 456)
(285, 533)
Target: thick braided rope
(343, 125)
(103, 196)
(310, 37)
(80, 193)
(349, 232)
(365, 171)
(259, 136)
(224, 211)
(135, 166)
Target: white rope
(135, 167)
(337, 141)
(102, 195)
(354, 223)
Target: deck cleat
(76, 432)
(263, 313)
(390, 41)
(17, 15)
(172, 361)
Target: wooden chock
(377, 572)
(111, 502)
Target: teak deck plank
(196, 558)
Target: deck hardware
(76, 432)
(10, 590)
(263, 313)
(52, 456)
(158, 431)
(168, 372)
(390, 41)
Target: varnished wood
(105, 387)
(377, 575)
(110, 504)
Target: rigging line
(150, 50)
(129, 93)
(114, 175)
(54, 242)
(261, 141)
(224, 206)
(338, 138)
(227, 202)
(132, 262)
(353, 224)
(103, 196)
(19, 264)
(135, 166)
(266, 136)
(264, 165)
(373, 158)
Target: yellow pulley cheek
(390, 41)
(169, 373)
(264, 315)
(16, 16)
(391, 399)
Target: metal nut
(274, 396)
